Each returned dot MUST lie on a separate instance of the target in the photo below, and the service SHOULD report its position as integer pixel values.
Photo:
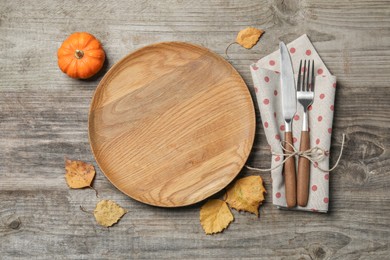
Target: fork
(305, 96)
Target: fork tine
(304, 76)
(299, 77)
(308, 74)
(312, 77)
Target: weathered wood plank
(43, 117)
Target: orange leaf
(246, 194)
(248, 37)
(78, 174)
(215, 216)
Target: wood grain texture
(44, 116)
(171, 124)
(303, 175)
(290, 177)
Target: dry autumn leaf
(79, 174)
(215, 216)
(107, 213)
(246, 194)
(248, 37)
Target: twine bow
(314, 155)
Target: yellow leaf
(79, 174)
(246, 194)
(107, 213)
(215, 216)
(248, 37)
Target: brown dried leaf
(248, 37)
(215, 216)
(107, 213)
(246, 194)
(79, 174)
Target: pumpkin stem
(79, 54)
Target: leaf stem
(228, 48)
(84, 210)
(96, 192)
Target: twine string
(314, 155)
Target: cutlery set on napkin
(298, 106)
(296, 186)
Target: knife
(289, 107)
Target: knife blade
(289, 107)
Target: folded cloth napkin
(265, 74)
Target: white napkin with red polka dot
(265, 74)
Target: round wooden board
(171, 124)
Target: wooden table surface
(43, 117)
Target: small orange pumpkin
(81, 56)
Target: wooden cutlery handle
(289, 173)
(303, 171)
